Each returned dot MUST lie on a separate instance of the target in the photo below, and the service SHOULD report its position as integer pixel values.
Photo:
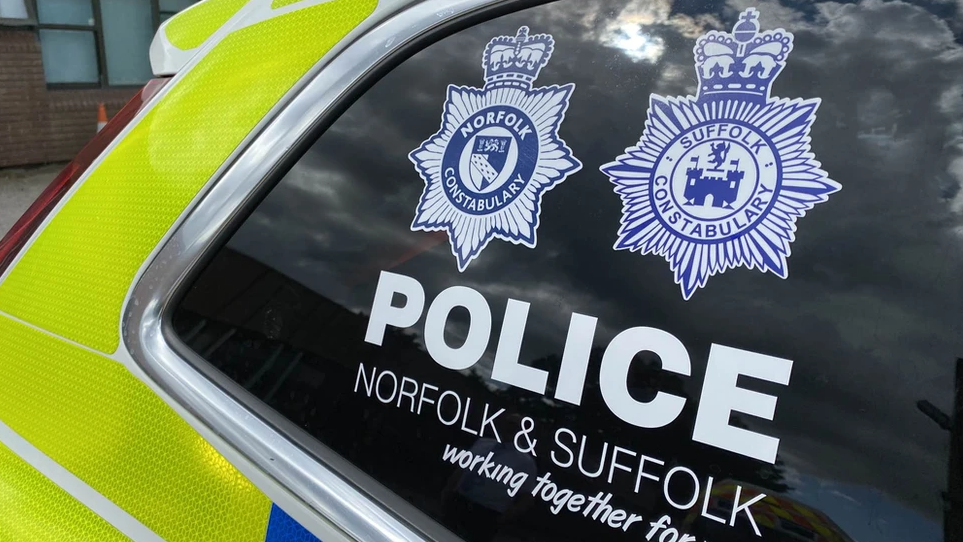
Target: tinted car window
(595, 368)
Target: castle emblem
(497, 151)
(718, 181)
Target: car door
(593, 269)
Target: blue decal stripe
(283, 528)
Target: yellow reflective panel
(191, 28)
(34, 509)
(92, 416)
(73, 279)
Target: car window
(625, 269)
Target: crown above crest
(741, 65)
(516, 61)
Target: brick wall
(38, 125)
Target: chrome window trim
(318, 482)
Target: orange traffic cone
(101, 117)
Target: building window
(68, 41)
(69, 56)
(169, 8)
(100, 42)
(16, 12)
(128, 28)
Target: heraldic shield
(718, 180)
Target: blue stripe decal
(283, 528)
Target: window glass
(128, 30)
(174, 6)
(708, 336)
(13, 9)
(69, 56)
(169, 8)
(76, 12)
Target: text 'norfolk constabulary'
(497, 153)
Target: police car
(493, 270)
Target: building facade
(59, 59)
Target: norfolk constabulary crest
(497, 152)
(718, 181)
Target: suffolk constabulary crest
(497, 152)
(718, 181)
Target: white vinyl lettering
(479, 331)
(575, 358)
(506, 367)
(613, 376)
(721, 396)
(383, 313)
